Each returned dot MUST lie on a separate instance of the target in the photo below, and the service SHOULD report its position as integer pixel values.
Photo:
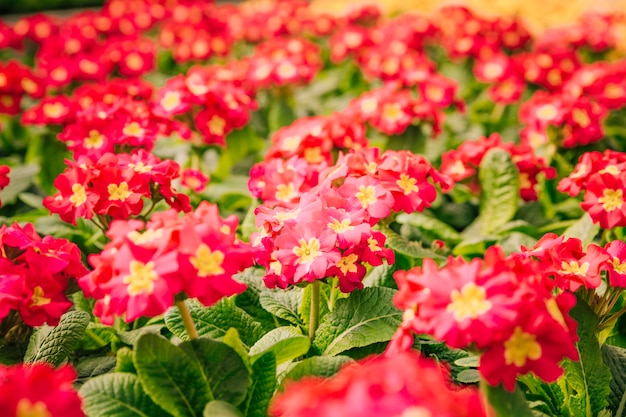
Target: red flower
(38, 390)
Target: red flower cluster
(403, 385)
(504, 306)
(38, 390)
(328, 229)
(35, 273)
(145, 266)
(462, 163)
(114, 187)
(603, 177)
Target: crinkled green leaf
(170, 377)
(286, 342)
(432, 226)
(118, 395)
(505, 403)
(215, 321)
(56, 344)
(92, 367)
(249, 299)
(221, 409)
(98, 336)
(381, 276)
(407, 247)
(615, 358)
(130, 337)
(324, 366)
(224, 371)
(125, 361)
(262, 387)
(499, 183)
(367, 316)
(586, 385)
(283, 304)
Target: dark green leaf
(505, 403)
(262, 387)
(118, 395)
(406, 247)
(56, 345)
(432, 226)
(170, 377)
(283, 304)
(381, 276)
(615, 358)
(130, 337)
(125, 361)
(224, 371)
(365, 317)
(499, 182)
(215, 321)
(92, 367)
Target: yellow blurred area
(537, 14)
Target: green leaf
(232, 339)
(584, 229)
(125, 361)
(92, 367)
(118, 395)
(324, 366)
(287, 343)
(514, 241)
(249, 299)
(130, 337)
(279, 114)
(221, 409)
(381, 276)
(98, 336)
(586, 385)
(224, 371)
(283, 304)
(505, 403)
(549, 395)
(215, 321)
(499, 182)
(615, 358)
(432, 226)
(56, 345)
(365, 317)
(262, 387)
(21, 177)
(468, 376)
(170, 377)
(407, 247)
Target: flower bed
(262, 209)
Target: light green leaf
(381, 276)
(125, 362)
(221, 409)
(431, 226)
(21, 177)
(283, 304)
(130, 337)
(505, 403)
(468, 376)
(499, 182)
(56, 345)
(232, 339)
(118, 395)
(324, 366)
(367, 316)
(262, 387)
(584, 229)
(586, 385)
(215, 321)
(287, 343)
(170, 377)
(615, 358)
(224, 371)
(407, 247)
(468, 361)
(514, 241)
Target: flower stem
(190, 328)
(314, 316)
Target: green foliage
(324, 366)
(615, 358)
(262, 387)
(505, 403)
(286, 343)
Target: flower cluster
(145, 265)
(327, 230)
(402, 385)
(503, 306)
(114, 187)
(602, 177)
(463, 162)
(35, 274)
(38, 390)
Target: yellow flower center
(25, 408)
(340, 226)
(520, 347)
(610, 169)
(574, 268)
(470, 302)
(286, 70)
(416, 411)
(79, 195)
(307, 251)
(141, 278)
(140, 167)
(133, 129)
(581, 117)
(94, 141)
(392, 112)
(369, 105)
(407, 184)
(28, 85)
(170, 100)
(38, 298)
(366, 195)
(119, 191)
(618, 266)
(547, 112)
(53, 110)
(285, 192)
(611, 199)
(216, 126)
(372, 244)
(348, 263)
(287, 215)
(207, 262)
(291, 143)
(148, 236)
(434, 93)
